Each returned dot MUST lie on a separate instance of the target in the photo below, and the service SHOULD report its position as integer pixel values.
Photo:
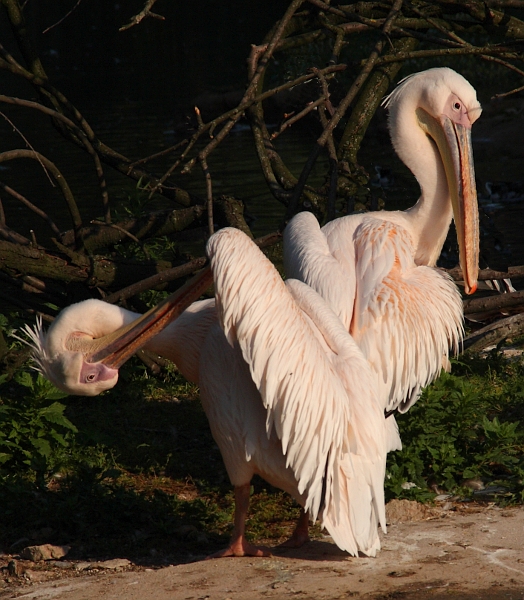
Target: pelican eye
(456, 105)
(91, 377)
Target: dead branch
(341, 110)
(143, 14)
(485, 274)
(74, 267)
(493, 334)
(160, 279)
(490, 303)
(58, 178)
(154, 224)
(47, 29)
(31, 207)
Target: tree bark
(159, 223)
(495, 333)
(71, 267)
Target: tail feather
(354, 512)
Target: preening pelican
(377, 270)
(287, 392)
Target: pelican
(377, 270)
(287, 392)
(295, 378)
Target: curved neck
(181, 342)
(430, 217)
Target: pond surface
(138, 130)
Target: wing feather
(319, 392)
(308, 258)
(407, 317)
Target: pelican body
(288, 394)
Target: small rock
(473, 484)
(37, 576)
(401, 573)
(403, 511)
(442, 497)
(84, 566)
(62, 564)
(44, 552)
(408, 485)
(15, 568)
(115, 563)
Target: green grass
(135, 472)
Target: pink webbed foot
(241, 547)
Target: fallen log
(490, 303)
(493, 334)
(73, 267)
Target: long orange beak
(454, 144)
(461, 181)
(115, 349)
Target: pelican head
(88, 342)
(63, 353)
(440, 106)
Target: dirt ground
(468, 552)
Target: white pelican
(294, 398)
(287, 392)
(377, 270)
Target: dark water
(140, 129)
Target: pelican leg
(239, 546)
(301, 534)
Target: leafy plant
(466, 425)
(32, 427)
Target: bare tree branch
(144, 13)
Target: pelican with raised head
(377, 270)
(295, 381)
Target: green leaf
(4, 457)
(43, 446)
(24, 378)
(54, 414)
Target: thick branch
(342, 108)
(495, 333)
(484, 274)
(369, 99)
(158, 223)
(94, 271)
(498, 302)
